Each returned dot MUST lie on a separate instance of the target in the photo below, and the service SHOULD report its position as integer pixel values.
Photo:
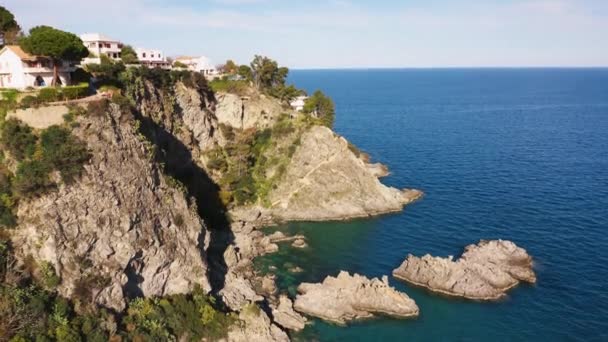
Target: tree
(178, 64)
(55, 44)
(267, 74)
(230, 67)
(9, 29)
(245, 72)
(128, 55)
(320, 106)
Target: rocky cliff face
(120, 230)
(325, 180)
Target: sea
(517, 154)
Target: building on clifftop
(99, 44)
(20, 70)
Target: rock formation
(347, 297)
(120, 230)
(255, 326)
(286, 317)
(484, 272)
(325, 180)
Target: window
(108, 45)
(143, 55)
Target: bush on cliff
(18, 139)
(177, 317)
(63, 152)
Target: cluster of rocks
(344, 298)
(484, 272)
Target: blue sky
(346, 33)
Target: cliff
(119, 230)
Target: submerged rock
(485, 271)
(285, 316)
(299, 243)
(345, 298)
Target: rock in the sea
(255, 326)
(345, 297)
(295, 269)
(299, 243)
(285, 316)
(484, 272)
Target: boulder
(255, 326)
(344, 298)
(484, 272)
(285, 316)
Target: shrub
(10, 95)
(48, 94)
(63, 152)
(29, 101)
(31, 178)
(17, 138)
(48, 274)
(98, 108)
(75, 92)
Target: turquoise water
(506, 153)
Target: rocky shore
(344, 298)
(485, 271)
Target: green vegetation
(9, 27)
(55, 44)
(18, 139)
(191, 316)
(252, 162)
(266, 73)
(36, 155)
(238, 87)
(31, 310)
(63, 152)
(321, 107)
(128, 55)
(230, 67)
(178, 64)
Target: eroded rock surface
(484, 272)
(344, 298)
(255, 326)
(120, 230)
(286, 317)
(325, 180)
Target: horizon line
(448, 67)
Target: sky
(345, 33)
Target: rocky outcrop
(254, 325)
(347, 297)
(245, 112)
(119, 230)
(325, 180)
(484, 272)
(285, 316)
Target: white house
(200, 64)
(298, 103)
(152, 58)
(20, 70)
(99, 44)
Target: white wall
(11, 70)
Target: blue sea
(518, 154)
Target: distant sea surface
(517, 154)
